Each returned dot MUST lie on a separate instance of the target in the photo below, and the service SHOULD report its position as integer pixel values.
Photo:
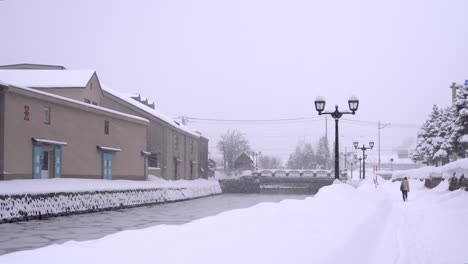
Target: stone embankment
(19, 207)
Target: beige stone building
(47, 136)
(139, 139)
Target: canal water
(40, 233)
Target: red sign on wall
(26, 112)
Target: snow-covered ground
(341, 224)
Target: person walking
(404, 188)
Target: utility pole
(255, 156)
(345, 156)
(326, 128)
(379, 127)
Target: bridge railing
(293, 173)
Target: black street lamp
(360, 159)
(363, 148)
(353, 104)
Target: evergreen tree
(460, 122)
(303, 157)
(443, 142)
(427, 138)
(269, 162)
(323, 153)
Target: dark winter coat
(404, 185)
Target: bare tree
(231, 145)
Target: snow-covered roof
(243, 154)
(47, 78)
(127, 97)
(80, 103)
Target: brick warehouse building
(65, 123)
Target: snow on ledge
(109, 149)
(49, 142)
(44, 186)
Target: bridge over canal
(275, 184)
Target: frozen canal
(37, 233)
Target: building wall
(203, 157)
(157, 144)
(92, 91)
(2, 118)
(160, 139)
(82, 128)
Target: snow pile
(341, 224)
(28, 199)
(452, 169)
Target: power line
(291, 120)
(253, 120)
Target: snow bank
(29, 199)
(452, 169)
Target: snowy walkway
(340, 224)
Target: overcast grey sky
(250, 59)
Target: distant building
(399, 161)
(243, 162)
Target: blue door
(107, 166)
(146, 167)
(58, 162)
(36, 162)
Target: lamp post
(353, 104)
(360, 159)
(363, 148)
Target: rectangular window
(191, 169)
(45, 160)
(46, 115)
(191, 147)
(176, 142)
(153, 160)
(106, 127)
